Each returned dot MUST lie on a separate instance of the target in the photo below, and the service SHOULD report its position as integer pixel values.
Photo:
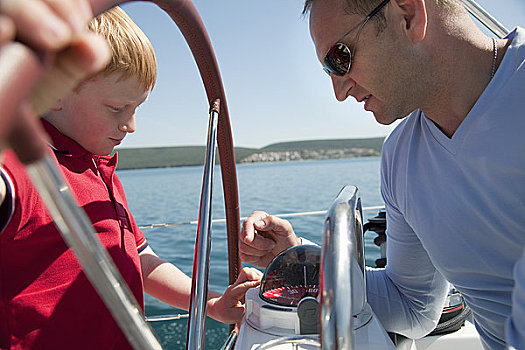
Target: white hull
(467, 338)
(369, 337)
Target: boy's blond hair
(132, 52)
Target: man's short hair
(356, 7)
(364, 7)
(131, 50)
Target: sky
(275, 88)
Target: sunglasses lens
(338, 59)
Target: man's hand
(57, 31)
(7, 29)
(263, 237)
(47, 24)
(53, 52)
(228, 308)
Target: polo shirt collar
(62, 144)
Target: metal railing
(485, 18)
(342, 269)
(201, 258)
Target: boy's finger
(238, 291)
(251, 274)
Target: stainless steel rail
(162, 318)
(230, 342)
(485, 18)
(77, 231)
(293, 341)
(342, 263)
(201, 258)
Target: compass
(287, 300)
(292, 275)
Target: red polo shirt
(46, 300)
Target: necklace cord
(494, 58)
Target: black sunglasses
(338, 59)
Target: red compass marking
(291, 295)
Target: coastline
(165, 157)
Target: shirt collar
(64, 145)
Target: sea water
(172, 195)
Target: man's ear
(412, 18)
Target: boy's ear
(411, 15)
(57, 106)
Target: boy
(46, 300)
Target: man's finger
(20, 70)
(274, 223)
(7, 29)
(247, 249)
(261, 242)
(86, 57)
(247, 233)
(75, 13)
(36, 24)
(250, 259)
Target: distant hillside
(166, 157)
(373, 143)
(163, 157)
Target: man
(453, 171)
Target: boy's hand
(228, 308)
(263, 237)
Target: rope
(283, 215)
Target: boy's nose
(128, 125)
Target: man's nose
(342, 86)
